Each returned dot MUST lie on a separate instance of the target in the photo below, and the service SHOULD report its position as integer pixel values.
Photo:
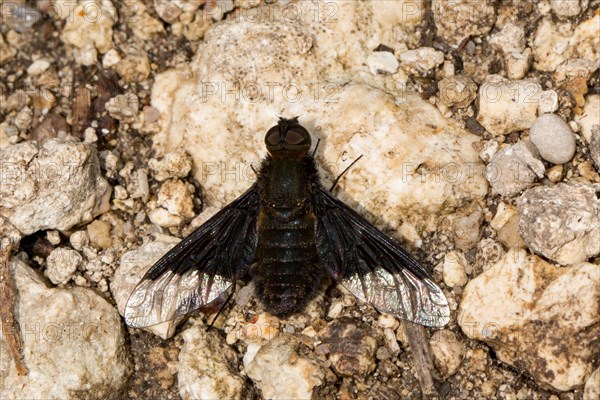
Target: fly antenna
(343, 172)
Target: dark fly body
(287, 233)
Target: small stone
(176, 164)
(38, 67)
(590, 117)
(448, 352)
(568, 8)
(466, 229)
(510, 39)
(592, 386)
(574, 68)
(507, 106)
(175, 197)
(490, 148)
(454, 269)
(89, 136)
(422, 59)
(137, 186)
(457, 91)
(352, 348)
(382, 62)
(595, 147)
(61, 264)
(134, 68)
(282, 371)
(514, 168)
(7, 52)
(555, 173)
(517, 64)
(111, 58)
(53, 237)
(207, 367)
(553, 138)
(79, 239)
(151, 114)
(561, 222)
(167, 10)
(387, 321)
(123, 107)
(548, 102)
(24, 118)
(99, 234)
(460, 19)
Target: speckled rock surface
(561, 222)
(55, 186)
(521, 306)
(74, 343)
(207, 367)
(282, 370)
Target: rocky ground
(125, 125)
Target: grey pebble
(553, 138)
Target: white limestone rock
(207, 367)
(454, 269)
(352, 119)
(55, 186)
(382, 62)
(422, 59)
(507, 106)
(74, 343)
(561, 222)
(553, 138)
(88, 26)
(448, 351)
(280, 371)
(514, 168)
(176, 164)
(590, 117)
(62, 264)
(132, 267)
(521, 305)
(511, 38)
(457, 20)
(548, 102)
(568, 8)
(457, 91)
(552, 46)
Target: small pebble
(53, 237)
(548, 102)
(553, 138)
(99, 233)
(61, 264)
(510, 39)
(382, 62)
(38, 67)
(422, 59)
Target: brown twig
(419, 347)
(8, 293)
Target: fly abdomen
(287, 273)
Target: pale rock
(7, 52)
(134, 67)
(422, 59)
(522, 304)
(448, 352)
(281, 371)
(99, 234)
(207, 367)
(261, 330)
(460, 19)
(454, 269)
(123, 107)
(517, 64)
(590, 117)
(548, 102)
(514, 168)
(175, 164)
(175, 197)
(137, 186)
(574, 68)
(167, 10)
(511, 38)
(506, 223)
(24, 118)
(218, 8)
(555, 173)
(553, 138)
(53, 237)
(561, 222)
(595, 147)
(457, 91)
(111, 58)
(387, 321)
(466, 228)
(351, 347)
(568, 8)
(74, 343)
(55, 186)
(38, 67)
(89, 136)
(61, 264)
(551, 48)
(132, 267)
(142, 24)
(164, 218)
(89, 25)
(382, 61)
(79, 239)
(592, 386)
(507, 106)
(490, 148)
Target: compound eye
(272, 137)
(295, 136)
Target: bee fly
(286, 233)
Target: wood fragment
(11, 331)
(419, 347)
